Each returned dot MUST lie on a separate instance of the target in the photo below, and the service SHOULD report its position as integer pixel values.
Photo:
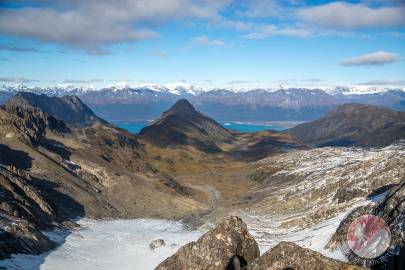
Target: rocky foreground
(230, 246)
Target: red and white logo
(368, 236)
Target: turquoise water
(135, 127)
(253, 127)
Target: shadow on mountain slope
(17, 158)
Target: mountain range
(146, 102)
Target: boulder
(157, 244)
(228, 246)
(289, 256)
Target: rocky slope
(69, 109)
(52, 171)
(353, 125)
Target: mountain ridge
(353, 125)
(70, 109)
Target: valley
(183, 166)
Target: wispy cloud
(383, 82)
(17, 48)
(206, 41)
(265, 8)
(274, 30)
(378, 58)
(17, 80)
(159, 54)
(235, 82)
(80, 81)
(312, 80)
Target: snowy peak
(180, 88)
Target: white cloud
(205, 41)
(373, 59)
(343, 15)
(94, 24)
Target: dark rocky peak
(70, 109)
(182, 109)
(183, 125)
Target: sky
(208, 43)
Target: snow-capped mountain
(147, 100)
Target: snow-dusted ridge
(184, 88)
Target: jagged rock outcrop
(69, 109)
(353, 125)
(182, 125)
(289, 256)
(225, 247)
(19, 236)
(23, 212)
(28, 124)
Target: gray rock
(290, 256)
(228, 246)
(157, 244)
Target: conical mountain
(182, 124)
(353, 125)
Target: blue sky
(211, 43)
